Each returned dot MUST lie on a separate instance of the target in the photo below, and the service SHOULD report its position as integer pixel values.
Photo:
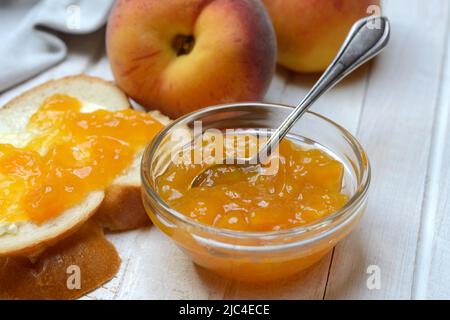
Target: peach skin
(310, 32)
(181, 55)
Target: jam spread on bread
(71, 154)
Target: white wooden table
(399, 108)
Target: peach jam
(70, 154)
(306, 187)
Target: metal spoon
(367, 38)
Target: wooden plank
(439, 278)
(157, 269)
(395, 129)
(342, 104)
(438, 198)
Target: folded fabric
(29, 41)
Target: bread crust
(122, 209)
(50, 83)
(35, 249)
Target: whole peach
(181, 55)
(310, 32)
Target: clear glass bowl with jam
(275, 234)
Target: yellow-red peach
(181, 55)
(310, 32)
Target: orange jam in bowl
(65, 154)
(255, 225)
(305, 187)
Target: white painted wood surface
(399, 108)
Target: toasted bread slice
(119, 205)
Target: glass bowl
(258, 256)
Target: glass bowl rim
(354, 201)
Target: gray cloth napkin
(28, 41)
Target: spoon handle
(368, 37)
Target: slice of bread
(119, 206)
